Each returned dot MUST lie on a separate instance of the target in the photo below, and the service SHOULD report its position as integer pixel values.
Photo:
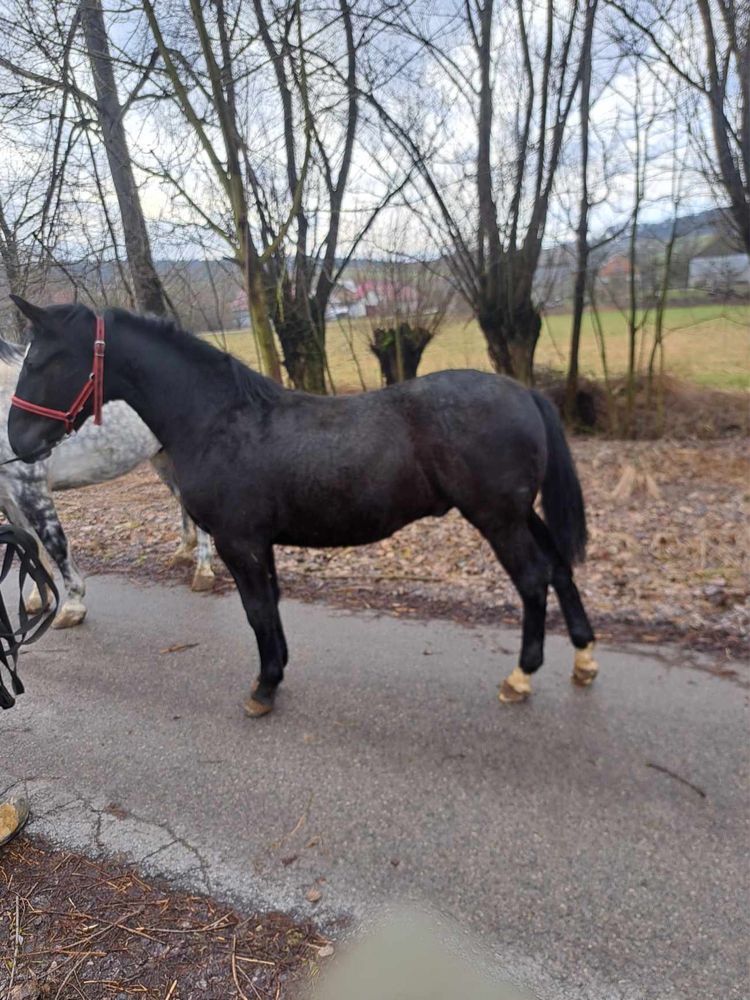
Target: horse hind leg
(530, 571)
(204, 576)
(585, 667)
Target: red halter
(94, 385)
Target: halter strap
(94, 385)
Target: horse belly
(357, 521)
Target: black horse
(258, 465)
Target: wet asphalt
(593, 842)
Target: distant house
(346, 301)
(387, 297)
(615, 269)
(370, 298)
(719, 272)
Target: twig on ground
(677, 777)
(241, 993)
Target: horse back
(348, 470)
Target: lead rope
(31, 627)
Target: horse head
(57, 364)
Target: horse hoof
(254, 709)
(182, 557)
(203, 581)
(14, 813)
(515, 688)
(585, 667)
(69, 616)
(33, 603)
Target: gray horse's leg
(204, 577)
(40, 519)
(14, 514)
(36, 503)
(195, 543)
(185, 552)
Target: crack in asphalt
(98, 833)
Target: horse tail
(562, 498)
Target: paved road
(390, 772)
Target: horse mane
(250, 385)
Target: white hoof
(203, 580)
(585, 667)
(33, 603)
(183, 556)
(515, 688)
(70, 614)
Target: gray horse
(93, 455)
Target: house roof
(617, 265)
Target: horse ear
(36, 314)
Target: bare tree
(207, 97)
(304, 280)
(513, 75)
(582, 234)
(406, 305)
(40, 53)
(705, 44)
(39, 154)
(268, 92)
(147, 285)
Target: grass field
(708, 345)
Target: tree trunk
(12, 264)
(582, 236)
(257, 305)
(303, 346)
(511, 338)
(399, 351)
(146, 283)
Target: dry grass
(709, 345)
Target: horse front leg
(38, 508)
(31, 508)
(254, 573)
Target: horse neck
(173, 382)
